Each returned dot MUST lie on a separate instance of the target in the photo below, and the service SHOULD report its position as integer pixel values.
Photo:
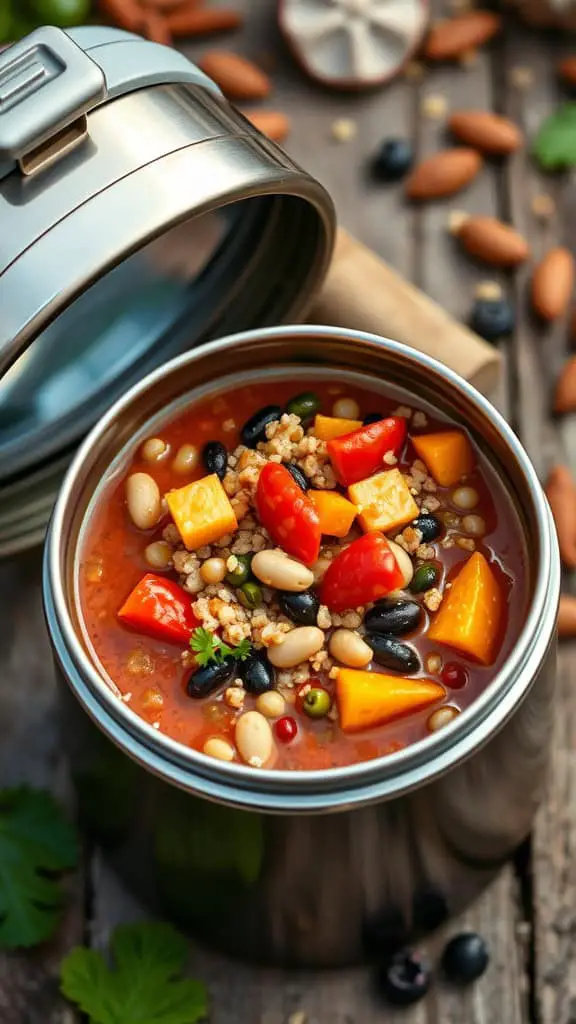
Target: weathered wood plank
(538, 354)
(30, 752)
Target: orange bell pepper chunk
(328, 427)
(202, 512)
(470, 616)
(368, 699)
(335, 512)
(448, 455)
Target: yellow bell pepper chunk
(368, 699)
(470, 616)
(328, 427)
(335, 512)
(383, 501)
(202, 512)
(448, 455)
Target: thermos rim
(337, 788)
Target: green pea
(317, 702)
(250, 595)
(305, 406)
(425, 577)
(241, 574)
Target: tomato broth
(325, 711)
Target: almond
(493, 242)
(126, 14)
(565, 393)
(561, 493)
(567, 616)
(567, 70)
(272, 123)
(155, 27)
(449, 39)
(485, 131)
(189, 21)
(238, 78)
(553, 283)
(443, 174)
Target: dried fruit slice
(353, 44)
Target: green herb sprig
(207, 647)
(144, 984)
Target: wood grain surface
(529, 915)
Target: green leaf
(555, 144)
(208, 647)
(35, 839)
(143, 985)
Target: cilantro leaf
(143, 986)
(205, 646)
(555, 144)
(208, 647)
(35, 839)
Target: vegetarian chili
(302, 585)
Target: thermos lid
(141, 215)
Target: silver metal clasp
(47, 87)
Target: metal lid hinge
(47, 87)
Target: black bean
(297, 475)
(305, 406)
(393, 654)
(372, 417)
(430, 527)
(254, 430)
(257, 673)
(404, 978)
(215, 458)
(394, 618)
(208, 678)
(465, 958)
(301, 608)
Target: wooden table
(529, 915)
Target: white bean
(213, 570)
(186, 460)
(474, 525)
(276, 570)
(299, 645)
(158, 554)
(143, 499)
(217, 747)
(465, 498)
(349, 648)
(346, 409)
(254, 739)
(405, 563)
(271, 704)
(154, 449)
(442, 717)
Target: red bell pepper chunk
(161, 609)
(360, 454)
(364, 572)
(288, 514)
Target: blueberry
(393, 160)
(404, 979)
(465, 958)
(492, 318)
(372, 417)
